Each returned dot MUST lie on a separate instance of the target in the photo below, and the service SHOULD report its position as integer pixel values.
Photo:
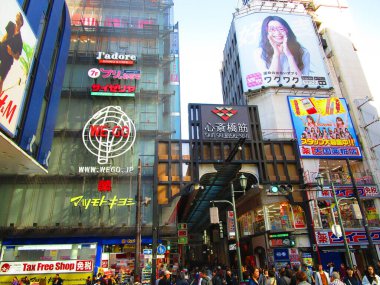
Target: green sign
(183, 240)
(279, 235)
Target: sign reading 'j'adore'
(116, 58)
(109, 133)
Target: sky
(203, 30)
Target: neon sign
(115, 74)
(113, 90)
(109, 133)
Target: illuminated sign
(225, 122)
(102, 201)
(323, 127)
(115, 74)
(30, 267)
(327, 238)
(279, 240)
(15, 68)
(116, 58)
(109, 133)
(113, 90)
(279, 50)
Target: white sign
(33, 267)
(109, 133)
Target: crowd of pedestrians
(304, 275)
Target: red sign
(104, 186)
(104, 131)
(113, 88)
(182, 233)
(30, 267)
(105, 263)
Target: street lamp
(243, 184)
(320, 181)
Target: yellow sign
(98, 202)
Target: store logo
(225, 113)
(5, 267)
(116, 58)
(109, 133)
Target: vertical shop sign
(230, 225)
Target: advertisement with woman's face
(279, 50)
(17, 47)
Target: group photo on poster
(323, 127)
(279, 50)
(17, 46)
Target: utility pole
(372, 250)
(138, 222)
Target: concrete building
(313, 84)
(120, 92)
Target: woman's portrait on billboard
(279, 51)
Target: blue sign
(147, 251)
(161, 249)
(281, 254)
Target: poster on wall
(323, 127)
(18, 43)
(279, 50)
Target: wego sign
(109, 133)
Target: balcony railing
(278, 134)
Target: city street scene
(244, 151)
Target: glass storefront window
(372, 213)
(258, 220)
(348, 217)
(48, 252)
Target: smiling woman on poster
(279, 51)
(10, 47)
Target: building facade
(120, 92)
(311, 90)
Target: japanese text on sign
(98, 202)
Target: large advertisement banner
(279, 50)
(323, 128)
(17, 46)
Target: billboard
(323, 127)
(279, 50)
(17, 47)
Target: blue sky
(204, 26)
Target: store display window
(283, 216)
(258, 220)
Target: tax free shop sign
(67, 266)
